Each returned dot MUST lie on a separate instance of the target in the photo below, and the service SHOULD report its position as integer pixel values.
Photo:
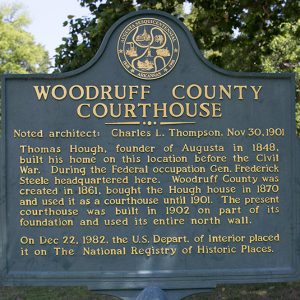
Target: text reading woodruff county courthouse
(192, 101)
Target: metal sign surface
(148, 166)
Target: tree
(234, 34)
(86, 34)
(18, 51)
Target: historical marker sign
(149, 166)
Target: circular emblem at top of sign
(148, 48)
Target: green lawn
(284, 291)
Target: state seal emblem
(148, 48)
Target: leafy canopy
(18, 51)
(234, 34)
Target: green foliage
(234, 34)
(18, 51)
(285, 55)
(86, 34)
(237, 33)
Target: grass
(284, 291)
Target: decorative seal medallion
(148, 48)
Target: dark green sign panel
(149, 166)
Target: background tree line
(18, 51)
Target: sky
(47, 17)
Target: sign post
(149, 166)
